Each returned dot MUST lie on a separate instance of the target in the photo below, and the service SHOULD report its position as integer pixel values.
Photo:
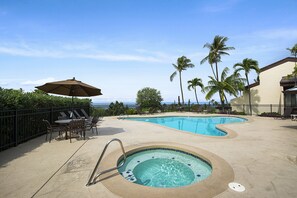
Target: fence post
(51, 115)
(16, 127)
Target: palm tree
(216, 49)
(192, 84)
(293, 51)
(238, 82)
(247, 65)
(183, 63)
(225, 85)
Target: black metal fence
(20, 125)
(258, 109)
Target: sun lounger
(63, 115)
(85, 113)
(71, 115)
(77, 114)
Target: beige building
(268, 94)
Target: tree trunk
(249, 90)
(181, 88)
(226, 98)
(214, 74)
(222, 100)
(217, 70)
(196, 95)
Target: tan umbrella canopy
(70, 87)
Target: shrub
(131, 111)
(18, 99)
(269, 114)
(116, 108)
(149, 98)
(237, 113)
(98, 112)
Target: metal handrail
(92, 178)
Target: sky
(122, 46)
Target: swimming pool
(164, 168)
(198, 125)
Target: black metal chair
(52, 128)
(77, 127)
(93, 124)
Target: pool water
(198, 125)
(164, 168)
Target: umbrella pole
(72, 108)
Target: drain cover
(236, 187)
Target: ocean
(105, 105)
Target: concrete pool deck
(262, 155)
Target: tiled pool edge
(215, 184)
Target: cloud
(277, 34)
(120, 57)
(78, 46)
(269, 34)
(3, 83)
(29, 52)
(38, 82)
(86, 51)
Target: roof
(288, 59)
(253, 85)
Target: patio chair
(85, 113)
(77, 127)
(52, 128)
(93, 124)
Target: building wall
(267, 96)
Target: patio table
(69, 127)
(65, 122)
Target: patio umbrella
(70, 87)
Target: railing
(258, 109)
(93, 178)
(20, 125)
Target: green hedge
(21, 114)
(18, 99)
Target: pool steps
(92, 179)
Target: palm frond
(210, 93)
(207, 45)
(204, 60)
(172, 76)
(224, 73)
